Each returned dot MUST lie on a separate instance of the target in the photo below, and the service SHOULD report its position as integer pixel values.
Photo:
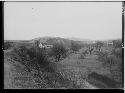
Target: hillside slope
(16, 76)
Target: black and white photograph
(63, 45)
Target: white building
(45, 46)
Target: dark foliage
(58, 51)
(74, 46)
(98, 45)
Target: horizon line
(82, 39)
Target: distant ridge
(51, 39)
(78, 39)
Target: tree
(58, 51)
(74, 46)
(117, 43)
(99, 45)
(90, 50)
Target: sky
(85, 20)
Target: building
(45, 46)
(110, 43)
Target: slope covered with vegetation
(68, 64)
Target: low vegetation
(37, 59)
(113, 60)
(46, 63)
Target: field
(76, 70)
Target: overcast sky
(86, 20)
